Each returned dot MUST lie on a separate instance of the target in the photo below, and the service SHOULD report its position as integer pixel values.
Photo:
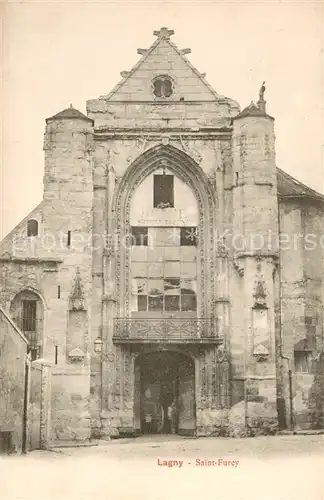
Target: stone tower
(67, 211)
(255, 253)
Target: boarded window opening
(188, 236)
(139, 236)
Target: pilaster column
(111, 359)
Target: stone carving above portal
(238, 264)
(259, 294)
(165, 140)
(221, 248)
(77, 297)
(261, 353)
(221, 354)
(109, 355)
(275, 263)
(139, 146)
(191, 151)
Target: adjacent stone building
(13, 387)
(170, 263)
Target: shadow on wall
(308, 400)
(316, 395)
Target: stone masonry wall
(13, 351)
(35, 407)
(69, 407)
(302, 271)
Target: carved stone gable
(76, 297)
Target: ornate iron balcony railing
(133, 330)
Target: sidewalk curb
(312, 432)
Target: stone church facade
(170, 264)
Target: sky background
(57, 53)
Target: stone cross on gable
(163, 33)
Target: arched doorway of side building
(165, 393)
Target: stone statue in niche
(260, 295)
(111, 153)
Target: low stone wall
(70, 404)
(308, 400)
(211, 422)
(58, 411)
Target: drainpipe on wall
(291, 406)
(246, 414)
(291, 398)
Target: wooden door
(151, 406)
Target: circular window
(162, 86)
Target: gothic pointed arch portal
(189, 172)
(164, 392)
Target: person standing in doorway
(173, 417)
(169, 419)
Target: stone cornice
(259, 254)
(219, 100)
(221, 300)
(306, 198)
(30, 260)
(172, 133)
(109, 298)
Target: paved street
(265, 468)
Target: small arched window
(32, 227)
(27, 311)
(162, 86)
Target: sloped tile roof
(252, 110)
(289, 187)
(69, 113)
